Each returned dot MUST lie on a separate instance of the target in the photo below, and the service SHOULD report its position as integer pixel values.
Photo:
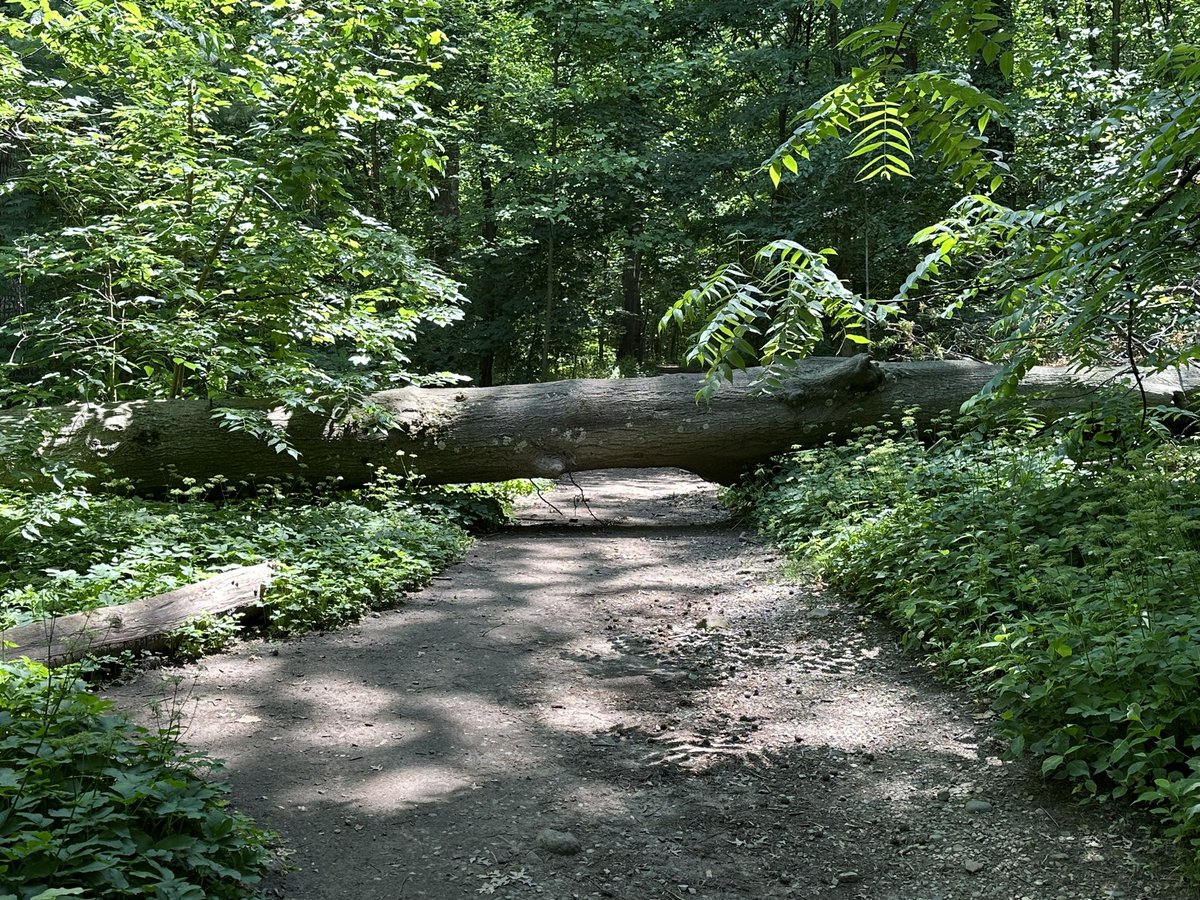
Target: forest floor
(627, 699)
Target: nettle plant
(201, 198)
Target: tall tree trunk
(1089, 16)
(446, 208)
(1116, 35)
(551, 280)
(1052, 15)
(632, 344)
(485, 302)
(835, 38)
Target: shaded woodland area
(921, 279)
(272, 240)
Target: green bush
(91, 805)
(1069, 592)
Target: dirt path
(638, 707)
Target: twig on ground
(543, 498)
(582, 498)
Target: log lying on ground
(452, 435)
(142, 625)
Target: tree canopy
(279, 199)
(199, 199)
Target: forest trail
(639, 678)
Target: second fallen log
(141, 625)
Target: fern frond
(794, 299)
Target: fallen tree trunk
(142, 625)
(451, 435)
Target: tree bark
(1089, 13)
(485, 302)
(835, 38)
(445, 206)
(453, 435)
(632, 343)
(1115, 46)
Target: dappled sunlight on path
(632, 670)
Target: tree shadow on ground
(701, 726)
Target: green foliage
(95, 806)
(338, 555)
(342, 560)
(886, 108)
(770, 320)
(606, 154)
(204, 635)
(475, 507)
(183, 213)
(1064, 590)
(893, 120)
(1109, 271)
(945, 113)
(1076, 238)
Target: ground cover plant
(97, 807)
(338, 554)
(1063, 589)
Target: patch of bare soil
(624, 698)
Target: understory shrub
(1069, 592)
(92, 806)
